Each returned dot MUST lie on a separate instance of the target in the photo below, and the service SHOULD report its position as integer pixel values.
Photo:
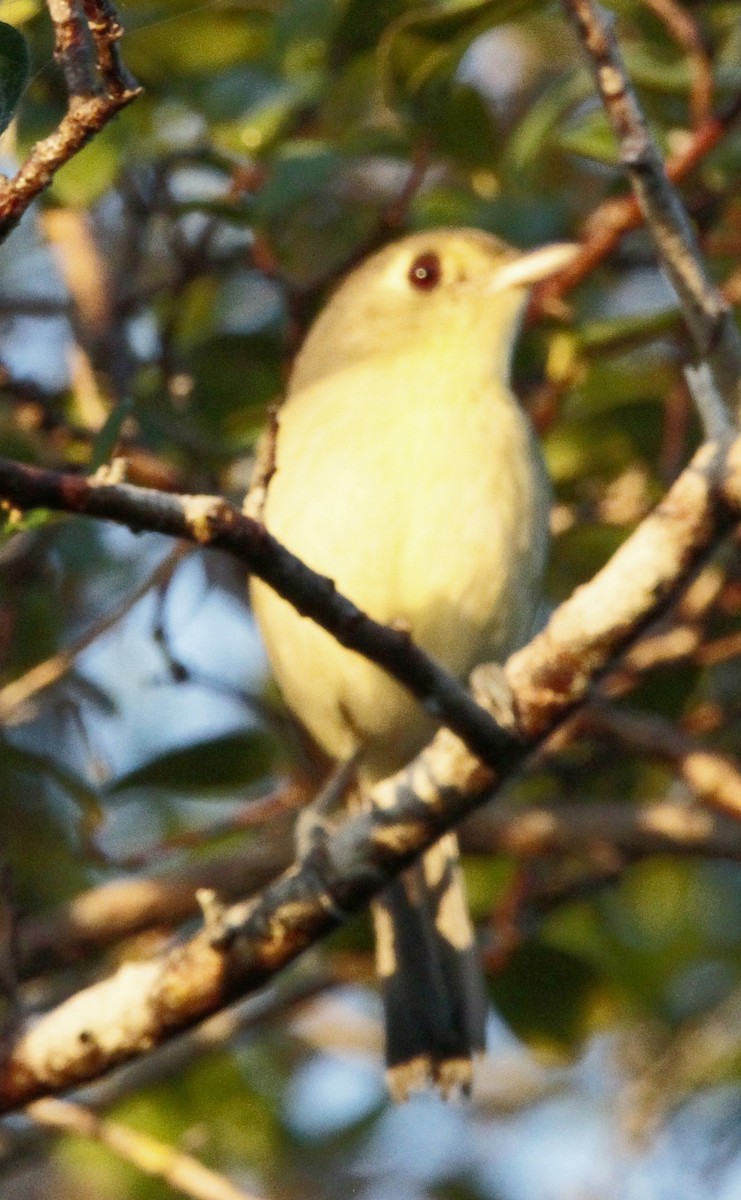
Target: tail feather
(432, 986)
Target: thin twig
(270, 1005)
(614, 218)
(714, 777)
(283, 801)
(106, 31)
(72, 48)
(152, 1156)
(708, 316)
(105, 915)
(98, 88)
(15, 695)
(682, 26)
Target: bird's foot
(315, 823)
(492, 691)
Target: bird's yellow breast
(424, 502)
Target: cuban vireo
(405, 469)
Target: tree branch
(18, 694)
(708, 316)
(714, 777)
(613, 218)
(150, 1155)
(210, 521)
(107, 914)
(98, 87)
(145, 1003)
(681, 25)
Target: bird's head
(458, 285)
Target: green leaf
(592, 138)
(527, 153)
(12, 522)
(15, 66)
(669, 72)
(617, 333)
(546, 992)
(310, 227)
(209, 39)
(302, 170)
(219, 764)
(421, 50)
(236, 377)
(106, 439)
(461, 125)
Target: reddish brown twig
(98, 87)
(713, 777)
(681, 26)
(609, 223)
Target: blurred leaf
(17, 12)
(546, 993)
(592, 138)
(350, 105)
(28, 761)
(232, 761)
(301, 33)
(15, 66)
(443, 205)
(670, 72)
(526, 154)
(584, 450)
(302, 170)
(14, 522)
(312, 225)
(203, 41)
(14, 70)
(362, 25)
(420, 51)
(581, 552)
(461, 125)
(640, 377)
(667, 690)
(260, 123)
(106, 439)
(236, 377)
(615, 333)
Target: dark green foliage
(15, 65)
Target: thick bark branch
(145, 1003)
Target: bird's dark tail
(431, 980)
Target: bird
(403, 467)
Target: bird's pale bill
(534, 265)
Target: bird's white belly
(456, 557)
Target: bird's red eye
(425, 272)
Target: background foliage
(150, 306)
